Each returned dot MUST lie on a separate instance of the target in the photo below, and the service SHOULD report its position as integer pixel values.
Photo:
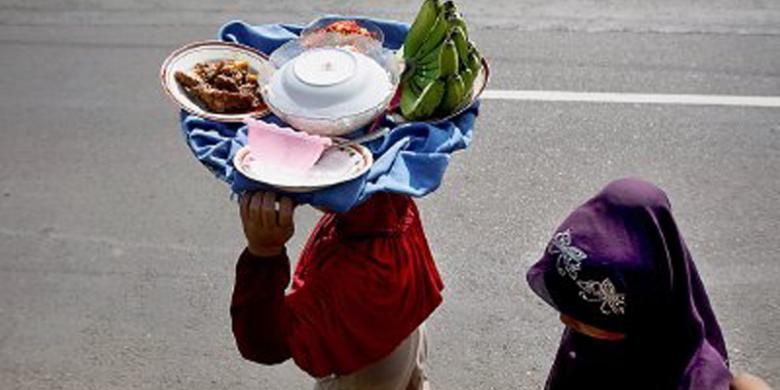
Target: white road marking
(636, 98)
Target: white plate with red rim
(338, 164)
(184, 58)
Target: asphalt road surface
(117, 249)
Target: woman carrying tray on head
(363, 286)
(366, 281)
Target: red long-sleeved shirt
(364, 281)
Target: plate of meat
(217, 80)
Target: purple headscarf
(619, 263)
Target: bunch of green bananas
(441, 62)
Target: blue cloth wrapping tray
(411, 159)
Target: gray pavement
(117, 248)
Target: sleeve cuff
(247, 259)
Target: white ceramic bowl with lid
(327, 82)
(331, 90)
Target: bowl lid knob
(325, 66)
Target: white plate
(186, 57)
(337, 165)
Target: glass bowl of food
(335, 31)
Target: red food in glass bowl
(358, 35)
(348, 27)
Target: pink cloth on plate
(283, 147)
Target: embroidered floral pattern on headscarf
(569, 256)
(603, 292)
(569, 262)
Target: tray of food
(335, 77)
